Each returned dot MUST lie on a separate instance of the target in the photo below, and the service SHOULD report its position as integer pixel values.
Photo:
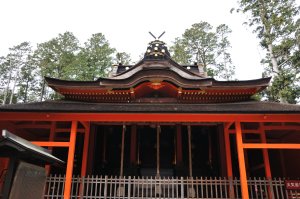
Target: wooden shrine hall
(165, 130)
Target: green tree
(201, 43)
(56, 58)
(12, 66)
(29, 76)
(207, 46)
(180, 52)
(224, 67)
(95, 58)
(123, 58)
(276, 26)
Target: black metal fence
(104, 187)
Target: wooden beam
(228, 125)
(273, 127)
(85, 124)
(254, 131)
(241, 157)
(33, 126)
(42, 126)
(271, 146)
(68, 130)
(51, 144)
(148, 117)
(70, 163)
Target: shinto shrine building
(161, 129)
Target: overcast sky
(126, 23)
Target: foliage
(276, 26)
(224, 67)
(11, 67)
(95, 58)
(22, 71)
(123, 58)
(56, 56)
(209, 47)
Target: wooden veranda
(231, 122)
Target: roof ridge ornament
(157, 50)
(157, 38)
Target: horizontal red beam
(148, 117)
(271, 146)
(254, 131)
(291, 127)
(52, 144)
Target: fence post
(182, 187)
(105, 187)
(81, 186)
(270, 188)
(231, 189)
(129, 186)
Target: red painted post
(69, 172)
(241, 157)
(85, 150)
(228, 160)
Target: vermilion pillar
(228, 159)
(265, 152)
(241, 157)
(228, 151)
(70, 165)
(85, 149)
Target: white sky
(126, 23)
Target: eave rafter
(167, 89)
(148, 117)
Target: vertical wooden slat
(250, 182)
(122, 150)
(190, 151)
(105, 187)
(100, 187)
(58, 187)
(157, 150)
(178, 145)
(177, 188)
(182, 188)
(225, 186)
(133, 145)
(197, 188)
(115, 181)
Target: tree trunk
(267, 32)
(13, 90)
(7, 88)
(273, 59)
(42, 92)
(26, 90)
